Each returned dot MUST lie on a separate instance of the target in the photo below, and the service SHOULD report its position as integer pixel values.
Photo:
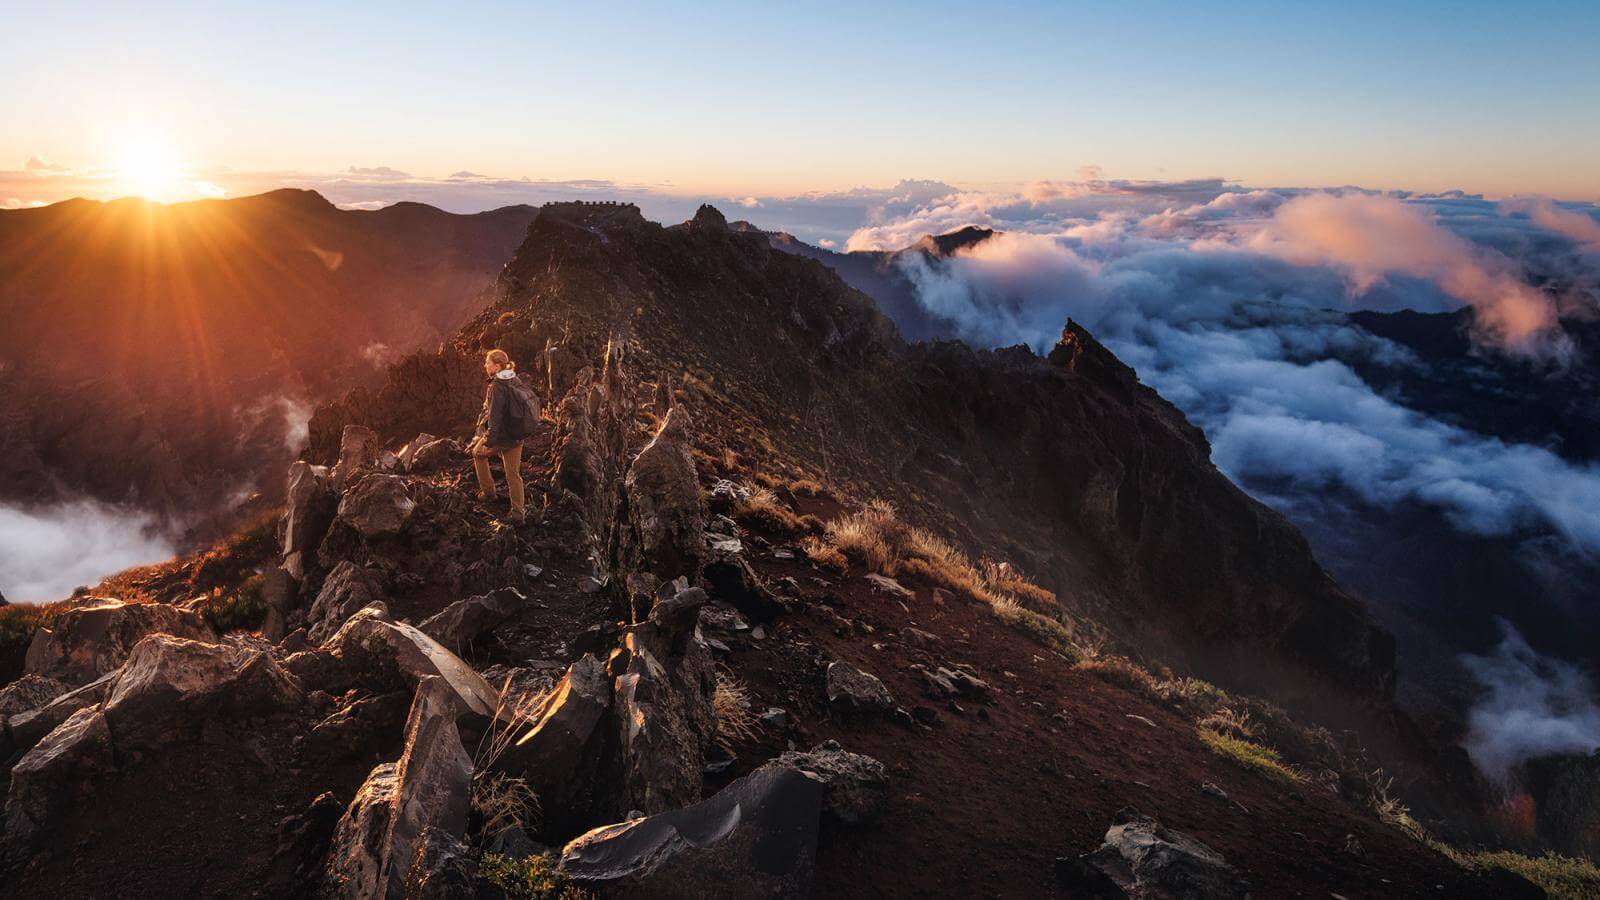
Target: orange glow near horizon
(146, 165)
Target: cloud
(1581, 227)
(1532, 706)
(39, 166)
(1371, 238)
(1245, 334)
(47, 552)
(378, 173)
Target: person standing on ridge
(510, 409)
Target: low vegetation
(1564, 877)
(730, 703)
(243, 608)
(533, 878)
(876, 538)
(1249, 755)
(764, 512)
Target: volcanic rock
(851, 689)
(377, 505)
(347, 588)
(664, 506)
(1143, 859)
(308, 510)
(91, 639)
(49, 778)
(663, 704)
(855, 787)
(358, 449)
(558, 755)
(369, 649)
(756, 838)
(460, 623)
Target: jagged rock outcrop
(96, 636)
(663, 706)
(379, 839)
(54, 775)
(665, 511)
(358, 449)
(561, 754)
(308, 510)
(756, 838)
(25, 729)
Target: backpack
(522, 409)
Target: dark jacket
(494, 421)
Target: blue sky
(746, 98)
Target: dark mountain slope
(151, 353)
(1066, 466)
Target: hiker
(510, 409)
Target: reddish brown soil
(983, 802)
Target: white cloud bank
(46, 552)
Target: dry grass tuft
(730, 702)
(763, 511)
(501, 801)
(1230, 721)
(825, 555)
(514, 713)
(805, 487)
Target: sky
(767, 100)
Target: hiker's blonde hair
(499, 358)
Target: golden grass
(1563, 877)
(1249, 755)
(805, 487)
(501, 801)
(730, 703)
(825, 555)
(763, 511)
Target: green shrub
(533, 878)
(242, 609)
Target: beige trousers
(511, 458)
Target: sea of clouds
(1231, 304)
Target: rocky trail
(685, 675)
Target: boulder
(441, 869)
(280, 591)
(434, 455)
(30, 692)
(663, 707)
(93, 638)
(377, 505)
(408, 453)
(53, 776)
(676, 610)
(29, 728)
(851, 689)
(170, 685)
(755, 838)
(460, 623)
(889, 586)
(358, 450)
(308, 509)
(664, 506)
(854, 787)
(1143, 859)
(367, 648)
(559, 753)
(347, 588)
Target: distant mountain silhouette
(148, 351)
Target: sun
(146, 165)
